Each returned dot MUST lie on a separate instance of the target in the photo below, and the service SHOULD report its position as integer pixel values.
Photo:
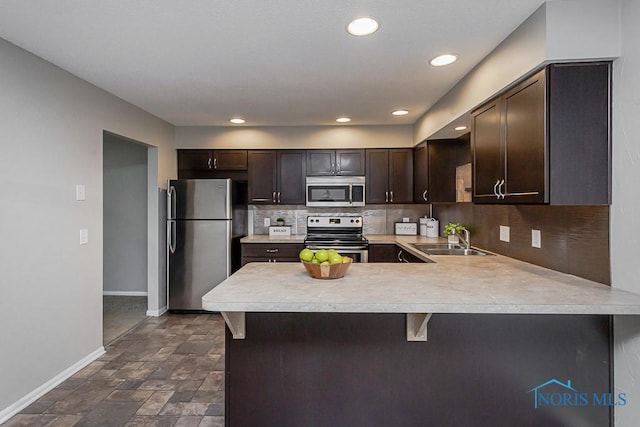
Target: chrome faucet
(466, 240)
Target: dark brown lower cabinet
(390, 253)
(383, 253)
(345, 369)
(271, 252)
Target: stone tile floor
(167, 371)
(120, 314)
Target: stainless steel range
(342, 233)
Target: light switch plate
(267, 222)
(536, 239)
(80, 192)
(505, 233)
(84, 236)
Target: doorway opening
(125, 235)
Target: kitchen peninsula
(461, 341)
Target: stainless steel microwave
(335, 191)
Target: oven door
(357, 254)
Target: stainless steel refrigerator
(206, 219)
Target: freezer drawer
(199, 259)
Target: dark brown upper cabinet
(277, 176)
(434, 168)
(203, 160)
(547, 139)
(335, 162)
(389, 177)
(421, 193)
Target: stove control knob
(352, 221)
(358, 220)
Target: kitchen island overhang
(497, 285)
(335, 352)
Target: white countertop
(480, 284)
(261, 238)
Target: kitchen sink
(429, 246)
(455, 251)
(447, 249)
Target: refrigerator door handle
(171, 203)
(171, 236)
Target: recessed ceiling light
(460, 128)
(400, 112)
(362, 27)
(237, 120)
(343, 120)
(441, 60)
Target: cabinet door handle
(501, 194)
(333, 168)
(273, 197)
(272, 251)
(350, 194)
(495, 189)
(424, 195)
(401, 258)
(215, 163)
(259, 200)
(391, 194)
(209, 162)
(338, 168)
(278, 197)
(386, 197)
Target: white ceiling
(277, 62)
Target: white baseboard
(31, 397)
(126, 293)
(157, 313)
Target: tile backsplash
(378, 219)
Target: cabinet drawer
(272, 251)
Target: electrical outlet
(505, 233)
(536, 239)
(267, 222)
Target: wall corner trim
(126, 293)
(157, 313)
(34, 395)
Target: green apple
(322, 255)
(335, 258)
(306, 255)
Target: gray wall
(51, 135)
(294, 137)
(625, 222)
(124, 269)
